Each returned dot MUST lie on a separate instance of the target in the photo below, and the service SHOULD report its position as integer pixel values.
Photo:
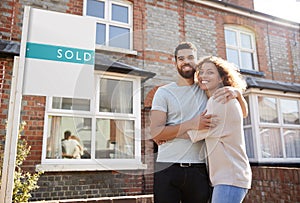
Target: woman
(229, 168)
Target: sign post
(56, 59)
(13, 121)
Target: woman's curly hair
(228, 72)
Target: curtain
(271, 144)
(292, 143)
(54, 138)
(124, 128)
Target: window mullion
(239, 48)
(256, 125)
(281, 126)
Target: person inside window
(71, 147)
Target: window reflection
(290, 111)
(271, 144)
(80, 131)
(95, 8)
(119, 37)
(267, 109)
(230, 37)
(114, 139)
(70, 104)
(292, 143)
(246, 41)
(116, 96)
(120, 13)
(249, 142)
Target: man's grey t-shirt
(181, 103)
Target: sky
(287, 9)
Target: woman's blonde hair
(228, 72)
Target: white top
(181, 103)
(227, 159)
(72, 148)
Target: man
(71, 148)
(181, 174)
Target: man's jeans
(174, 183)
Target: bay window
(272, 131)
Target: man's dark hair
(184, 45)
(67, 134)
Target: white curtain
(271, 143)
(124, 128)
(292, 143)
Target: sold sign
(59, 53)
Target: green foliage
(24, 182)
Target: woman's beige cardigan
(227, 159)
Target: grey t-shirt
(181, 103)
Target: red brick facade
(270, 184)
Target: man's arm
(227, 93)
(161, 133)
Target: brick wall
(72, 185)
(278, 54)
(6, 72)
(274, 184)
(148, 152)
(243, 3)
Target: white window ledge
(115, 49)
(90, 167)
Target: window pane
(233, 56)
(249, 142)
(230, 38)
(290, 111)
(271, 144)
(292, 143)
(267, 109)
(247, 60)
(100, 34)
(71, 104)
(95, 8)
(119, 37)
(246, 41)
(247, 120)
(114, 139)
(119, 13)
(75, 147)
(116, 96)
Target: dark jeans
(175, 184)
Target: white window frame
(239, 30)
(107, 21)
(256, 124)
(97, 164)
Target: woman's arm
(161, 133)
(227, 114)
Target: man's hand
(225, 94)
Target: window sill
(90, 167)
(116, 50)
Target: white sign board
(59, 56)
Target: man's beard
(186, 74)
